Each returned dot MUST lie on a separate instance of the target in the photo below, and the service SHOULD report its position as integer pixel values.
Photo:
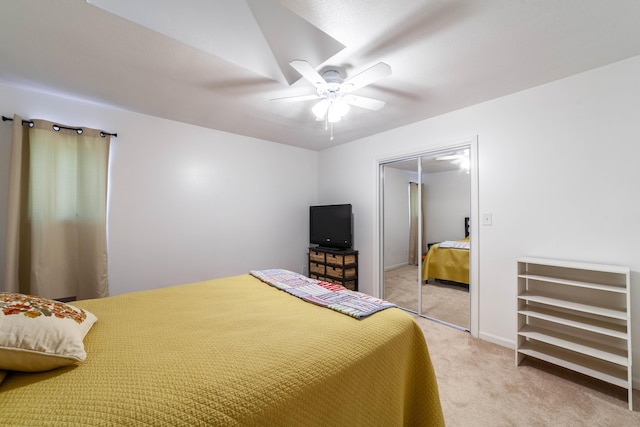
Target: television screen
(330, 226)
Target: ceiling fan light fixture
(333, 108)
(320, 109)
(340, 106)
(332, 115)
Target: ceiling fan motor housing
(332, 76)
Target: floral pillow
(39, 334)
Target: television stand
(329, 249)
(334, 265)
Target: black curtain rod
(58, 127)
(9, 119)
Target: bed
(232, 352)
(448, 260)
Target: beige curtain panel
(56, 234)
(416, 213)
(413, 227)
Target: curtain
(413, 223)
(56, 235)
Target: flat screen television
(330, 226)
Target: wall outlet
(304, 270)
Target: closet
(424, 200)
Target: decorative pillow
(39, 334)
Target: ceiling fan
(460, 158)
(334, 93)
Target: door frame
(474, 216)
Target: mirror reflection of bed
(445, 272)
(446, 288)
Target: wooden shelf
(577, 344)
(598, 326)
(613, 374)
(577, 283)
(576, 315)
(576, 265)
(585, 308)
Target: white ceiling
(444, 55)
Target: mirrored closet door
(425, 210)
(400, 273)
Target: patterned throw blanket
(455, 244)
(336, 297)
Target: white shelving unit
(576, 315)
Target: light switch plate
(487, 219)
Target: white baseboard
(497, 340)
(393, 267)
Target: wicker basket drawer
(338, 271)
(316, 256)
(316, 268)
(350, 284)
(337, 259)
(334, 266)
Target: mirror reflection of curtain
(414, 210)
(56, 236)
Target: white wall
(558, 169)
(446, 203)
(186, 203)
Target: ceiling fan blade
(296, 98)
(368, 76)
(363, 102)
(308, 72)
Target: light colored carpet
(442, 301)
(480, 385)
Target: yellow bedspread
(446, 264)
(232, 352)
